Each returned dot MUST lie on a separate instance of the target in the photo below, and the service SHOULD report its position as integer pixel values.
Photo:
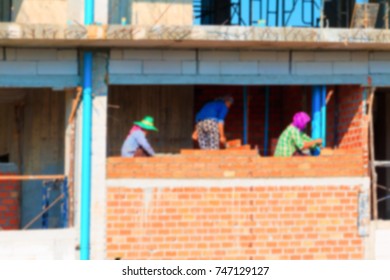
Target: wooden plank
(75, 105)
(364, 15)
(378, 163)
(374, 175)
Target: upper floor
(260, 13)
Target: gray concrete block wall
(162, 67)
(277, 68)
(189, 67)
(18, 68)
(239, 68)
(209, 67)
(312, 68)
(125, 67)
(188, 62)
(350, 67)
(379, 67)
(27, 61)
(203, 63)
(243, 62)
(340, 63)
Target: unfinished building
(329, 59)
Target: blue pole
(323, 115)
(86, 159)
(266, 121)
(245, 105)
(89, 12)
(316, 113)
(85, 219)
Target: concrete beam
(214, 78)
(226, 37)
(38, 81)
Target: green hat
(147, 123)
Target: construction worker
(209, 129)
(293, 141)
(136, 144)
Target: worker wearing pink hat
(293, 141)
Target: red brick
(259, 232)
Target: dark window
(5, 10)
(4, 158)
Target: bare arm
(143, 142)
(310, 144)
(195, 134)
(221, 132)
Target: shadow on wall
(349, 120)
(152, 11)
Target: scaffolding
(292, 13)
(277, 13)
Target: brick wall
(236, 164)
(351, 120)
(9, 199)
(259, 222)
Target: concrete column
(68, 108)
(101, 11)
(77, 172)
(99, 140)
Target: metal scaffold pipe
(85, 220)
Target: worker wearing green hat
(136, 144)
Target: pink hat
(300, 120)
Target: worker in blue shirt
(136, 144)
(209, 129)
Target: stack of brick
(9, 199)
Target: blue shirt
(136, 140)
(215, 110)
